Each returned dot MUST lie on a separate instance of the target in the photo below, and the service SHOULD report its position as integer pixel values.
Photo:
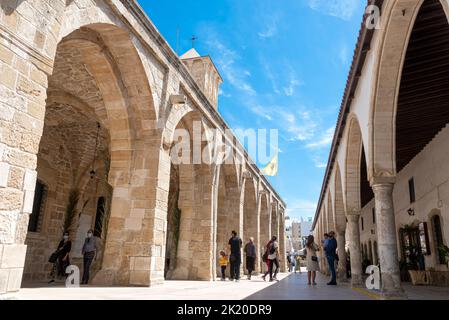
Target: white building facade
(386, 191)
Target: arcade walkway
(291, 287)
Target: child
(223, 263)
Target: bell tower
(205, 74)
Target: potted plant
(444, 252)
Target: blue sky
(284, 65)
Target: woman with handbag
(312, 260)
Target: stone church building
(386, 187)
(91, 96)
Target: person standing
(273, 257)
(266, 260)
(298, 263)
(330, 249)
(312, 260)
(89, 252)
(292, 263)
(223, 261)
(289, 262)
(235, 245)
(250, 252)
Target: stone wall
(66, 66)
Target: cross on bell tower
(194, 38)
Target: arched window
(35, 217)
(376, 255)
(99, 217)
(438, 238)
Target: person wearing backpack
(273, 257)
(266, 261)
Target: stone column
(341, 241)
(387, 241)
(282, 248)
(354, 249)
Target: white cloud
(290, 89)
(261, 111)
(323, 141)
(226, 61)
(319, 163)
(343, 9)
(299, 125)
(270, 28)
(300, 208)
(343, 55)
(222, 93)
(269, 74)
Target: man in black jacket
(235, 246)
(331, 253)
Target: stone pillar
(282, 248)
(387, 240)
(341, 241)
(23, 84)
(354, 249)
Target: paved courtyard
(290, 287)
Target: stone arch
(398, 20)
(352, 189)
(264, 205)
(196, 191)
(98, 76)
(435, 217)
(353, 164)
(228, 209)
(264, 213)
(274, 229)
(330, 213)
(339, 209)
(249, 212)
(340, 223)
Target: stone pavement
(170, 290)
(295, 288)
(291, 287)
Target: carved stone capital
(382, 180)
(247, 175)
(178, 99)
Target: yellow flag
(272, 168)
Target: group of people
(60, 259)
(329, 245)
(235, 243)
(294, 262)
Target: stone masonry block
(28, 201)
(14, 280)
(13, 256)
(4, 174)
(30, 180)
(134, 224)
(4, 275)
